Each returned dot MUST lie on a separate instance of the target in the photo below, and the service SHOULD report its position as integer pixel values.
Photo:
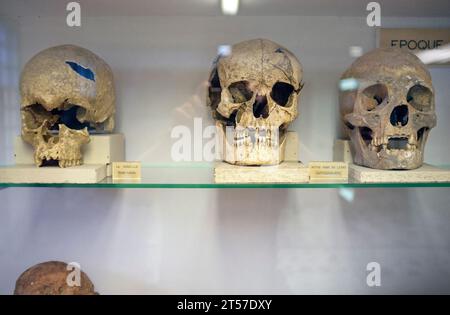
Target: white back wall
(220, 241)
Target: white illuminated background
(9, 99)
(219, 241)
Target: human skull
(50, 278)
(390, 114)
(65, 91)
(253, 94)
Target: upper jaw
(253, 145)
(394, 143)
(395, 152)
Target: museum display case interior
(154, 83)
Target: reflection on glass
(438, 55)
(9, 103)
(230, 7)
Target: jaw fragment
(65, 147)
(251, 146)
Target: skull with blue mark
(66, 92)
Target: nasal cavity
(399, 116)
(260, 107)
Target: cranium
(254, 92)
(65, 91)
(389, 116)
(51, 278)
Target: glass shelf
(202, 176)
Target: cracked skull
(389, 116)
(253, 94)
(66, 92)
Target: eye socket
(214, 90)
(374, 96)
(420, 97)
(240, 91)
(281, 92)
(35, 115)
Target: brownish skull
(50, 278)
(390, 114)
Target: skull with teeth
(65, 91)
(253, 94)
(390, 114)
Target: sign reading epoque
(414, 39)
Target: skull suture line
(390, 115)
(254, 90)
(64, 91)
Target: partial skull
(253, 94)
(389, 116)
(66, 91)
(50, 278)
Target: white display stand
(98, 155)
(360, 174)
(286, 172)
(30, 174)
(289, 171)
(425, 174)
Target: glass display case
(225, 146)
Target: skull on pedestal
(253, 94)
(389, 116)
(65, 92)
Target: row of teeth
(259, 141)
(258, 131)
(378, 141)
(385, 147)
(257, 136)
(67, 163)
